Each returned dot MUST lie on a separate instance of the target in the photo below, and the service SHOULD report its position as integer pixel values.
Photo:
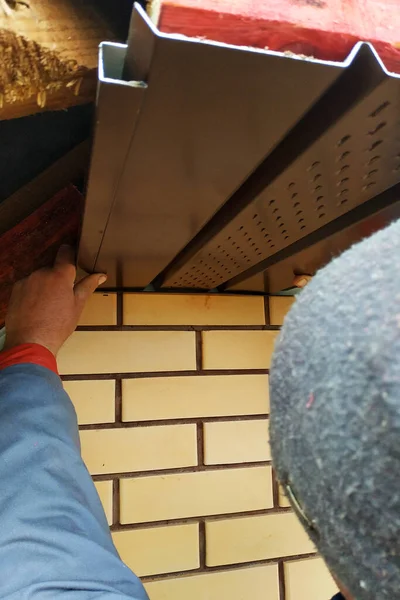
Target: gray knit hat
(335, 414)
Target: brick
(197, 309)
(176, 496)
(160, 549)
(127, 352)
(105, 491)
(279, 306)
(185, 397)
(236, 442)
(139, 449)
(257, 583)
(238, 349)
(283, 500)
(101, 309)
(308, 579)
(94, 401)
(246, 539)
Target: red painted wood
(325, 29)
(33, 243)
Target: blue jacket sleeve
(54, 537)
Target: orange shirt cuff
(28, 353)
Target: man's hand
(46, 306)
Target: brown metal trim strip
(184, 421)
(230, 567)
(210, 373)
(180, 470)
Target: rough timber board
(325, 29)
(48, 55)
(34, 242)
(70, 168)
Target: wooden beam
(34, 242)
(70, 168)
(325, 29)
(48, 54)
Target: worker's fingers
(65, 262)
(85, 288)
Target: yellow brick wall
(171, 393)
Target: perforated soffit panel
(219, 159)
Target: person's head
(335, 414)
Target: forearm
(54, 535)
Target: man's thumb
(85, 288)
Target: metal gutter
(210, 160)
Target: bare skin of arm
(46, 306)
